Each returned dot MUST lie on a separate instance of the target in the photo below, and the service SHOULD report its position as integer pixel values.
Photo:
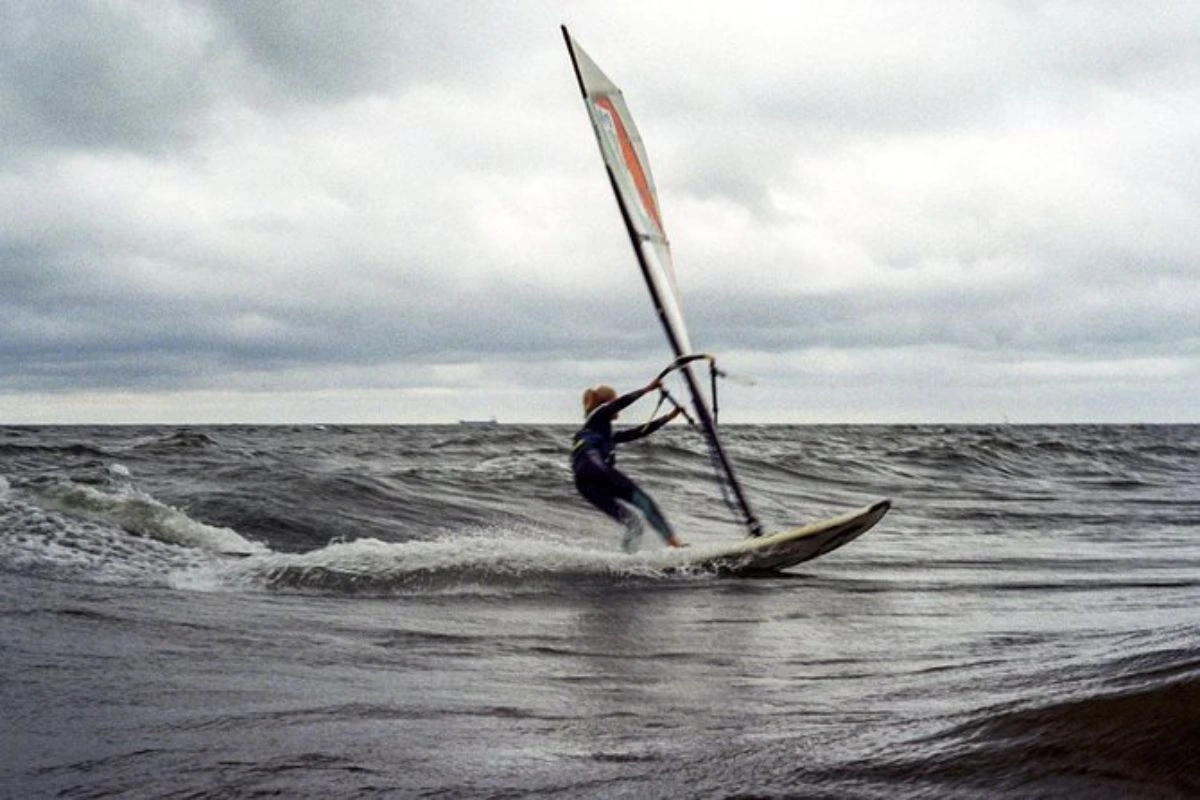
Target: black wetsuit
(593, 460)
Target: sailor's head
(597, 395)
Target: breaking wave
(66, 529)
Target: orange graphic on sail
(629, 155)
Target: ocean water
(432, 612)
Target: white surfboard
(777, 551)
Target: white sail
(625, 156)
(629, 171)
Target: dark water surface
(432, 612)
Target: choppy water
(431, 611)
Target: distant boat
(479, 423)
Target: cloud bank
(395, 211)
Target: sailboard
(628, 168)
(787, 548)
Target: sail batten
(624, 157)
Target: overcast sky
(396, 211)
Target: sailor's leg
(631, 539)
(653, 514)
(598, 489)
(601, 487)
(630, 492)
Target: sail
(633, 185)
(624, 155)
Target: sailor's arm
(647, 429)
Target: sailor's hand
(674, 542)
(675, 412)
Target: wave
(38, 541)
(137, 512)
(277, 497)
(1128, 742)
(1131, 740)
(178, 440)
(123, 535)
(495, 560)
(109, 532)
(16, 450)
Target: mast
(646, 234)
(703, 415)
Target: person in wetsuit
(593, 460)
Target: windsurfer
(593, 460)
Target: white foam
(38, 541)
(84, 531)
(138, 512)
(458, 558)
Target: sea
(433, 612)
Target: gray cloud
(151, 77)
(78, 75)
